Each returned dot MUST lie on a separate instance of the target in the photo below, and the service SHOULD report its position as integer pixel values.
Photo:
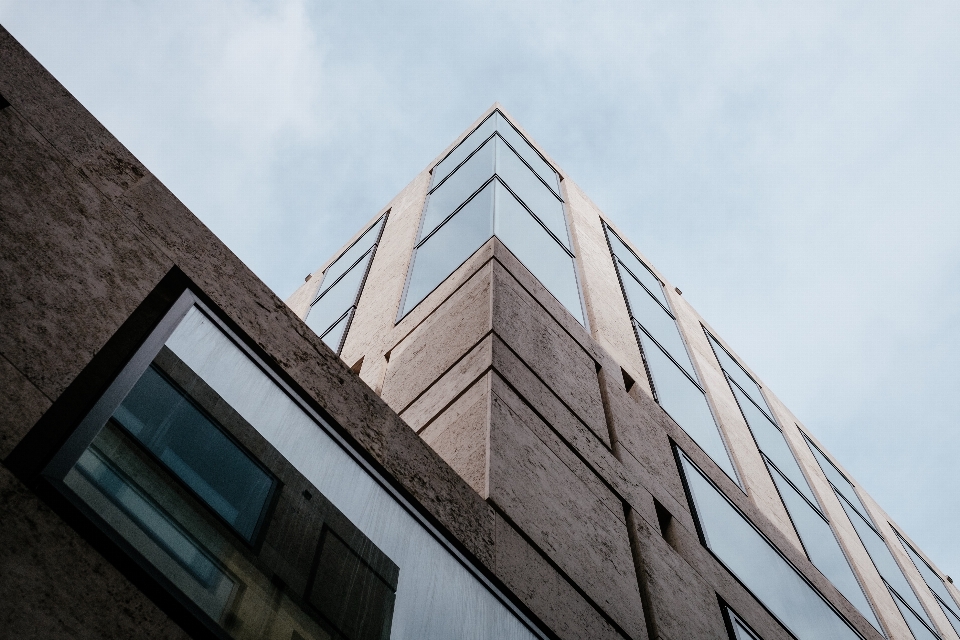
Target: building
(528, 433)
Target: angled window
(737, 628)
(936, 585)
(223, 489)
(811, 524)
(669, 369)
(494, 183)
(757, 563)
(336, 299)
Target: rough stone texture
(460, 434)
(561, 515)
(23, 404)
(46, 571)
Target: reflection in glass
(446, 166)
(839, 481)
(450, 246)
(351, 255)
(929, 575)
(458, 187)
(772, 443)
(538, 198)
(757, 564)
(884, 561)
(195, 450)
(337, 299)
(740, 376)
(658, 323)
(822, 547)
(334, 334)
(528, 153)
(540, 253)
(685, 402)
(919, 630)
(637, 268)
(740, 630)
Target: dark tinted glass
(337, 299)
(735, 371)
(929, 575)
(196, 451)
(917, 627)
(525, 184)
(636, 267)
(822, 547)
(335, 333)
(540, 253)
(458, 187)
(450, 246)
(686, 404)
(528, 153)
(350, 256)
(656, 321)
(884, 560)
(446, 166)
(757, 564)
(839, 481)
(771, 441)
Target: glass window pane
(741, 632)
(951, 616)
(771, 441)
(839, 481)
(929, 575)
(686, 404)
(636, 267)
(458, 187)
(532, 192)
(735, 371)
(337, 299)
(335, 333)
(446, 166)
(884, 560)
(919, 630)
(540, 253)
(822, 546)
(350, 256)
(752, 559)
(656, 321)
(195, 450)
(528, 153)
(450, 246)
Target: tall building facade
(488, 416)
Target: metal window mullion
(423, 240)
(343, 275)
(652, 295)
(465, 160)
(527, 164)
(535, 217)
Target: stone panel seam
(453, 400)
(27, 378)
(553, 565)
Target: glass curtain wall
(936, 585)
(494, 183)
(811, 524)
(893, 577)
(749, 556)
(253, 513)
(339, 291)
(672, 376)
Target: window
(494, 183)
(756, 563)
(736, 627)
(812, 527)
(339, 291)
(900, 590)
(936, 585)
(248, 509)
(672, 377)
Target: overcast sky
(793, 168)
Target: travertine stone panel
(64, 123)
(439, 342)
(66, 591)
(454, 382)
(681, 603)
(548, 594)
(22, 403)
(558, 360)
(96, 267)
(460, 434)
(561, 515)
(606, 309)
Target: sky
(793, 167)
